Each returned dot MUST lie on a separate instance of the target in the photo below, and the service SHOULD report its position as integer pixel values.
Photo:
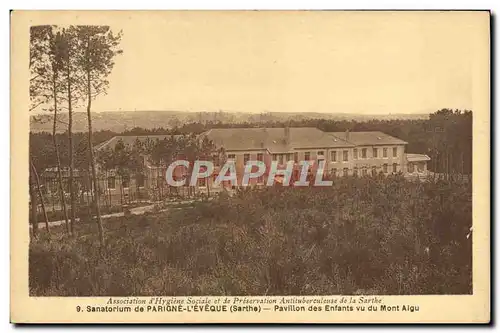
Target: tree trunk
(159, 183)
(92, 161)
(71, 159)
(40, 195)
(34, 205)
(109, 193)
(208, 186)
(106, 196)
(121, 190)
(137, 193)
(52, 195)
(58, 160)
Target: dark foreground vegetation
(369, 236)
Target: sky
(336, 62)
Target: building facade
(344, 153)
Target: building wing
(368, 138)
(417, 157)
(276, 140)
(129, 140)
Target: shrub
(362, 235)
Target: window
(334, 172)
(125, 181)
(231, 156)
(320, 155)
(307, 156)
(394, 167)
(111, 182)
(395, 152)
(214, 177)
(385, 167)
(296, 157)
(411, 168)
(420, 167)
(281, 158)
(54, 186)
(375, 152)
(345, 172)
(160, 180)
(363, 153)
(374, 170)
(355, 154)
(355, 171)
(139, 180)
(333, 154)
(365, 171)
(345, 155)
(384, 152)
(202, 182)
(246, 158)
(260, 157)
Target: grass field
(363, 235)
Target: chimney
(347, 135)
(287, 134)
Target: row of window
(283, 158)
(364, 170)
(334, 171)
(364, 151)
(411, 167)
(139, 181)
(111, 182)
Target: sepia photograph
(255, 153)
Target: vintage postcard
(250, 167)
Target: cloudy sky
(295, 61)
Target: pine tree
(98, 47)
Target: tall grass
(362, 235)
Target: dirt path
(134, 211)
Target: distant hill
(119, 121)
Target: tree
(120, 164)
(38, 65)
(69, 52)
(55, 58)
(136, 165)
(40, 195)
(98, 48)
(34, 204)
(106, 160)
(161, 153)
(209, 152)
(192, 152)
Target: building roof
(131, 139)
(417, 157)
(273, 139)
(52, 172)
(369, 138)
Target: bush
(362, 235)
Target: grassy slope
(359, 236)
